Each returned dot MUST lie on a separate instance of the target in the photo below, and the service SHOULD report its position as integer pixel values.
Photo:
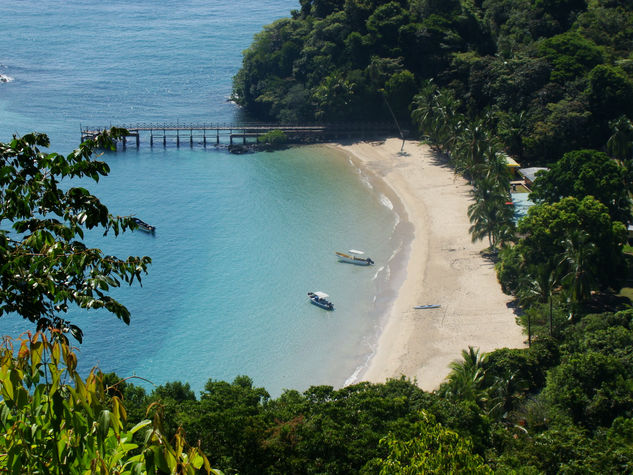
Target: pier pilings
(243, 132)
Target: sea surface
(240, 239)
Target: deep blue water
(240, 239)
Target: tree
(432, 449)
(593, 388)
(466, 381)
(489, 214)
(176, 390)
(45, 266)
(570, 55)
(400, 89)
(546, 229)
(620, 143)
(586, 172)
(423, 107)
(610, 92)
(540, 287)
(577, 276)
(54, 421)
(468, 152)
(513, 126)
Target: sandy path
(444, 267)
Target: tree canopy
(46, 267)
(587, 172)
(563, 65)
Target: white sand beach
(444, 267)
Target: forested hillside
(551, 74)
(547, 81)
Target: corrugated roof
(530, 173)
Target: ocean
(240, 239)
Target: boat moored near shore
(354, 258)
(320, 300)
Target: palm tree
(512, 127)
(466, 381)
(620, 144)
(495, 164)
(424, 107)
(447, 120)
(540, 288)
(504, 390)
(489, 214)
(470, 146)
(578, 269)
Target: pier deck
(230, 134)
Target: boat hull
(359, 261)
(320, 302)
(143, 226)
(324, 306)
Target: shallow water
(240, 239)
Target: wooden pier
(240, 134)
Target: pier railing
(244, 133)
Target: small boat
(143, 226)
(427, 306)
(320, 299)
(353, 258)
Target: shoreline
(441, 266)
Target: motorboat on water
(320, 299)
(354, 257)
(143, 226)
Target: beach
(442, 267)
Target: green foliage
(554, 71)
(564, 11)
(587, 172)
(609, 92)
(570, 55)
(274, 137)
(45, 266)
(433, 449)
(620, 143)
(571, 237)
(176, 391)
(329, 51)
(54, 421)
(592, 387)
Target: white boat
(320, 299)
(354, 258)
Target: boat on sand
(354, 258)
(320, 299)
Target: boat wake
(5, 78)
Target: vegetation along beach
(235, 157)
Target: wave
(376, 275)
(361, 368)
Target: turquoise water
(240, 239)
